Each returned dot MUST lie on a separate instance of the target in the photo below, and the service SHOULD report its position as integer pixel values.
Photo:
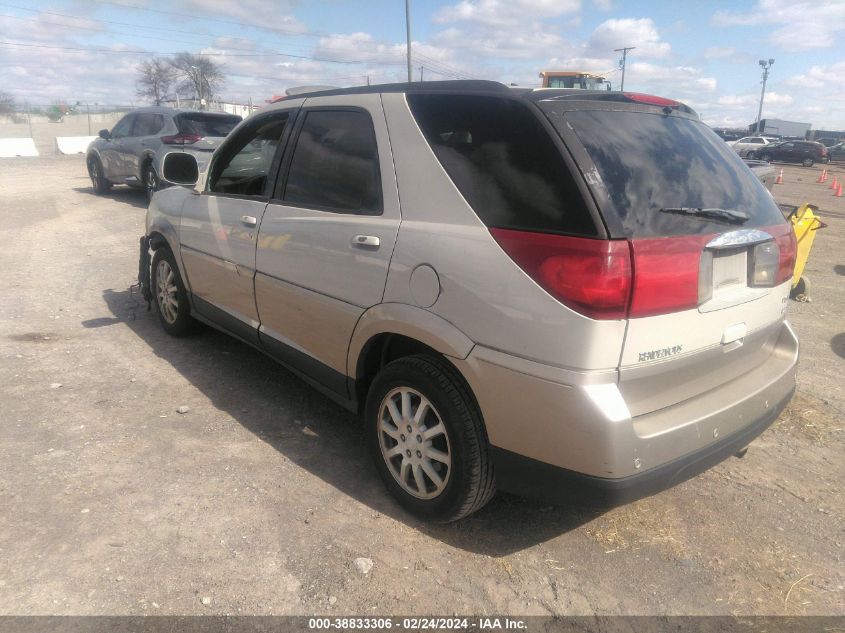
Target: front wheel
(98, 177)
(170, 297)
(428, 440)
(766, 157)
(751, 155)
(808, 162)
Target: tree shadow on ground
(290, 416)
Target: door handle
(369, 241)
(249, 220)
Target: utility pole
(421, 73)
(408, 36)
(766, 66)
(624, 52)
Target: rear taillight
(615, 279)
(592, 277)
(785, 239)
(666, 274)
(181, 139)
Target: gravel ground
(260, 497)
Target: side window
(787, 146)
(243, 167)
(123, 127)
(335, 163)
(757, 140)
(504, 162)
(147, 124)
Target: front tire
(751, 155)
(98, 177)
(766, 157)
(808, 162)
(427, 439)
(169, 295)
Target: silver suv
(556, 293)
(131, 153)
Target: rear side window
(503, 162)
(335, 163)
(200, 124)
(147, 124)
(651, 164)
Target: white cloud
(253, 12)
(719, 52)
(504, 13)
(603, 5)
(803, 24)
(642, 33)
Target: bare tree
(7, 104)
(199, 75)
(157, 75)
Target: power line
(92, 49)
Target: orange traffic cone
(834, 183)
(779, 179)
(839, 191)
(823, 175)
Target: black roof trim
(461, 85)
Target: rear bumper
(531, 478)
(558, 434)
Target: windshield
(203, 124)
(651, 161)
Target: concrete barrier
(73, 144)
(11, 147)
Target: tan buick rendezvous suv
(549, 292)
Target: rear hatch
(202, 131)
(710, 251)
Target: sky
(704, 53)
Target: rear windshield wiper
(724, 215)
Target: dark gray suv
(132, 151)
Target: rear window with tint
(207, 124)
(650, 162)
(503, 162)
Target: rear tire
(751, 155)
(98, 177)
(170, 297)
(151, 181)
(766, 157)
(441, 469)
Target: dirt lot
(261, 496)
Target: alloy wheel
(94, 172)
(167, 292)
(414, 443)
(151, 182)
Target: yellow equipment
(805, 223)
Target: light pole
(408, 37)
(766, 66)
(624, 52)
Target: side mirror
(181, 169)
(105, 134)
